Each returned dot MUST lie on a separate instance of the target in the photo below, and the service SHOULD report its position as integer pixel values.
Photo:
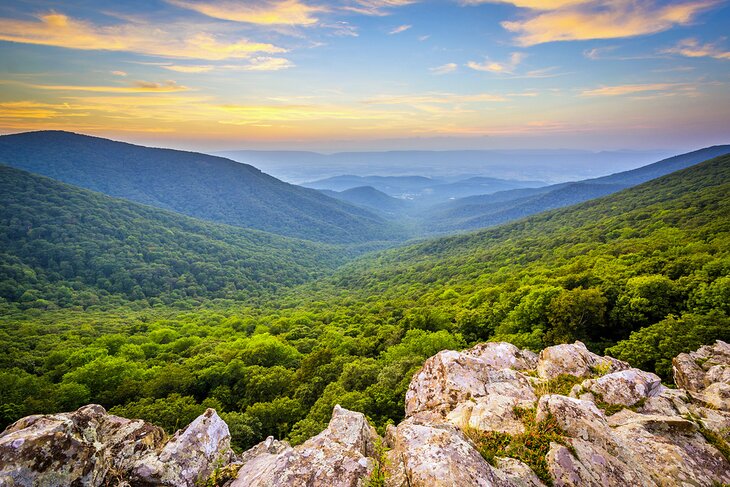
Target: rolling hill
(198, 185)
(371, 198)
(488, 210)
(65, 246)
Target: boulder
(86, 447)
(502, 355)
(436, 454)
(697, 370)
(625, 387)
(340, 456)
(189, 456)
(490, 413)
(574, 359)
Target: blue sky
(371, 74)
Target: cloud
(119, 73)
(174, 41)
(495, 67)
(620, 90)
(134, 87)
(376, 7)
(187, 69)
(604, 20)
(265, 63)
(424, 38)
(434, 98)
(531, 4)
(399, 29)
(444, 68)
(693, 48)
(283, 12)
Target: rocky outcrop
(492, 415)
(90, 447)
(340, 456)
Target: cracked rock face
(340, 456)
(90, 447)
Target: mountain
(544, 165)
(66, 246)
(421, 190)
(371, 198)
(501, 207)
(198, 185)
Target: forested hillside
(645, 271)
(198, 185)
(69, 247)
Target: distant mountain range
(488, 210)
(421, 190)
(551, 165)
(198, 185)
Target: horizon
(371, 75)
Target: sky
(371, 74)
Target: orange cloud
(531, 4)
(616, 19)
(693, 48)
(284, 12)
(54, 29)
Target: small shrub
(379, 475)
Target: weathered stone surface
(574, 359)
(190, 455)
(85, 447)
(625, 387)
(428, 454)
(494, 412)
(340, 456)
(502, 355)
(516, 472)
(672, 450)
(691, 370)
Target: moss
(715, 440)
(561, 384)
(530, 447)
(220, 476)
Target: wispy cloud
(444, 68)
(187, 69)
(531, 4)
(265, 63)
(376, 7)
(694, 48)
(632, 89)
(434, 98)
(134, 87)
(176, 41)
(399, 29)
(119, 73)
(604, 20)
(496, 67)
(282, 12)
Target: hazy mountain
(549, 165)
(194, 184)
(488, 210)
(422, 190)
(369, 197)
(68, 246)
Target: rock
(436, 455)
(691, 370)
(85, 447)
(626, 387)
(672, 450)
(717, 395)
(502, 355)
(578, 419)
(337, 457)
(449, 378)
(490, 413)
(574, 359)
(190, 455)
(516, 472)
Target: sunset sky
(371, 74)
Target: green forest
(272, 338)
